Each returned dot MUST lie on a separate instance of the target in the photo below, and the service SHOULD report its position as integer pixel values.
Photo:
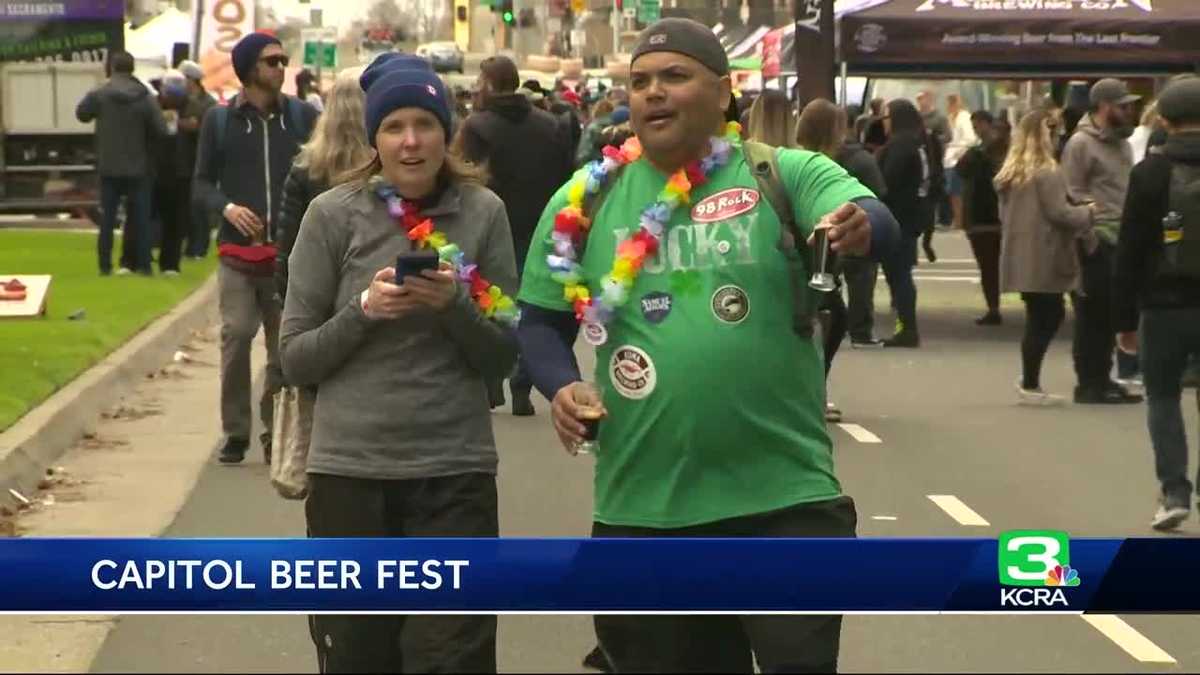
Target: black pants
(1095, 338)
(452, 506)
(860, 274)
(172, 203)
(833, 325)
(986, 247)
(1044, 313)
(731, 644)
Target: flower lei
(571, 227)
(492, 302)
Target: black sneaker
(905, 338)
(521, 405)
(865, 343)
(234, 451)
(990, 319)
(495, 393)
(596, 660)
(1110, 395)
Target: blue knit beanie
(246, 51)
(398, 89)
(386, 63)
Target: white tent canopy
(151, 43)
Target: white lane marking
(959, 511)
(889, 518)
(860, 434)
(1128, 638)
(970, 280)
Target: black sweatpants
(173, 204)
(731, 644)
(986, 247)
(1044, 313)
(833, 325)
(1095, 337)
(463, 505)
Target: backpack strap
(763, 161)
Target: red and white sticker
(632, 372)
(724, 204)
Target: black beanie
(246, 51)
(687, 37)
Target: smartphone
(411, 264)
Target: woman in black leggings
(1040, 233)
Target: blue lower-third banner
(1029, 570)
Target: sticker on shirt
(632, 372)
(730, 304)
(656, 306)
(724, 204)
(595, 334)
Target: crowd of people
(407, 249)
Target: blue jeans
(897, 269)
(136, 191)
(1169, 338)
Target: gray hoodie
(396, 399)
(1096, 164)
(128, 124)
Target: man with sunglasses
(244, 154)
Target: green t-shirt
(716, 405)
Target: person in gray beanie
(665, 433)
(402, 442)
(191, 115)
(1158, 273)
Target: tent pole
(845, 85)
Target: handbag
(289, 441)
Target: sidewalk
(129, 476)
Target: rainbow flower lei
(492, 302)
(571, 227)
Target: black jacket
(186, 142)
(981, 204)
(1140, 243)
(900, 161)
(863, 166)
(529, 156)
(298, 192)
(233, 169)
(129, 124)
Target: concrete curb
(46, 432)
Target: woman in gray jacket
(402, 442)
(1037, 251)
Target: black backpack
(1181, 228)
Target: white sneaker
(1037, 397)
(1169, 517)
(124, 272)
(832, 412)
(171, 273)
(1133, 385)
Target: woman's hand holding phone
(386, 300)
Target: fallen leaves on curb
(93, 441)
(129, 412)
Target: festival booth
(987, 38)
(152, 44)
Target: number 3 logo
(1027, 557)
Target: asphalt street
(933, 445)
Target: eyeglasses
(277, 61)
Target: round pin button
(723, 247)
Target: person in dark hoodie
(129, 124)
(1158, 271)
(528, 156)
(243, 158)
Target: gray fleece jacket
(396, 399)
(128, 125)
(1096, 164)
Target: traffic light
(506, 12)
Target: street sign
(320, 54)
(649, 11)
(630, 12)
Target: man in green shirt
(712, 402)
